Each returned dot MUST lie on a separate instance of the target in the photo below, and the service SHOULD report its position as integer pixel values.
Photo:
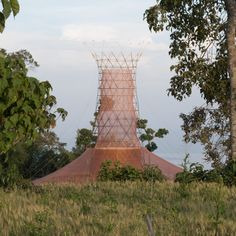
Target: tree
(148, 135)
(29, 161)
(45, 155)
(202, 37)
(26, 105)
(231, 47)
(8, 7)
(85, 138)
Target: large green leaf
(2, 22)
(6, 8)
(15, 7)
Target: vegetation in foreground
(119, 208)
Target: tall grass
(115, 208)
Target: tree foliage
(85, 139)
(198, 43)
(8, 7)
(195, 172)
(26, 104)
(29, 161)
(114, 171)
(148, 135)
(45, 155)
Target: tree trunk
(231, 46)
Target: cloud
(118, 36)
(85, 33)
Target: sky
(62, 34)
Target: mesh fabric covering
(85, 168)
(117, 114)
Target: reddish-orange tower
(116, 122)
(115, 126)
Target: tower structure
(117, 107)
(115, 126)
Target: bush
(213, 176)
(184, 177)
(152, 173)
(9, 176)
(229, 173)
(194, 172)
(115, 172)
(9, 171)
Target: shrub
(115, 172)
(152, 173)
(128, 173)
(9, 176)
(184, 177)
(229, 173)
(194, 172)
(105, 172)
(9, 172)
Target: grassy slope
(119, 209)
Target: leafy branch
(8, 7)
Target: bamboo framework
(117, 104)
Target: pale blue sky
(60, 35)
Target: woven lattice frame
(117, 105)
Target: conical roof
(86, 167)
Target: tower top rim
(116, 60)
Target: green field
(115, 208)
